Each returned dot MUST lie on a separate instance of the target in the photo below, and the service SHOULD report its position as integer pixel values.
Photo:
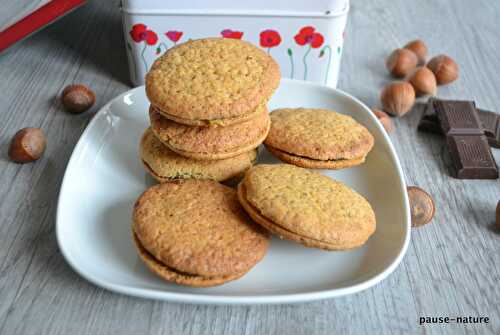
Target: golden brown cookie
(210, 143)
(164, 164)
(215, 122)
(196, 228)
(212, 78)
(318, 138)
(334, 164)
(306, 207)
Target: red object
(174, 35)
(269, 38)
(140, 32)
(228, 33)
(307, 35)
(36, 20)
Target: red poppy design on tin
(140, 33)
(174, 35)
(269, 38)
(308, 35)
(228, 33)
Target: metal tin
(305, 38)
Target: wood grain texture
(452, 266)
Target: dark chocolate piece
(458, 117)
(429, 121)
(490, 122)
(471, 157)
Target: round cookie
(164, 164)
(306, 207)
(174, 276)
(212, 78)
(210, 143)
(195, 232)
(318, 138)
(215, 122)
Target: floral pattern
(307, 37)
(269, 39)
(174, 35)
(141, 33)
(228, 33)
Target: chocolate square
(458, 117)
(471, 157)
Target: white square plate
(104, 177)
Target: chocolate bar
(457, 117)
(465, 137)
(471, 157)
(490, 122)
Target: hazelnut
(384, 119)
(401, 62)
(498, 215)
(444, 68)
(27, 145)
(419, 48)
(77, 98)
(397, 98)
(421, 206)
(423, 81)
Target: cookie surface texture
(318, 134)
(306, 207)
(212, 78)
(198, 228)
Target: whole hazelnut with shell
(400, 62)
(422, 206)
(384, 119)
(77, 98)
(27, 145)
(419, 48)
(397, 98)
(444, 68)
(423, 81)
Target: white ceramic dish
(104, 177)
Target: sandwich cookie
(306, 207)
(194, 232)
(164, 164)
(317, 138)
(210, 143)
(212, 80)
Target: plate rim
(197, 298)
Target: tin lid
(231, 7)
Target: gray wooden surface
(452, 265)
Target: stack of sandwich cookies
(317, 138)
(195, 233)
(306, 207)
(208, 109)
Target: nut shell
(384, 119)
(27, 145)
(77, 98)
(397, 98)
(419, 48)
(444, 68)
(423, 81)
(401, 62)
(421, 206)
